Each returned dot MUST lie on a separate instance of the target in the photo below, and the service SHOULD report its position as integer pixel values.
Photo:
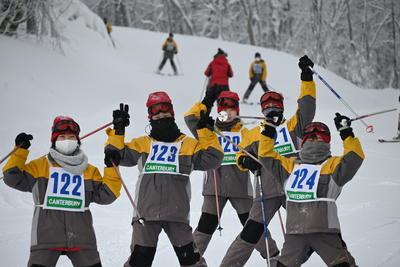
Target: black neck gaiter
(164, 129)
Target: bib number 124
(302, 175)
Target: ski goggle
(271, 97)
(316, 128)
(160, 108)
(66, 126)
(228, 102)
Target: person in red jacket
(218, 72)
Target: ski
(389, 140)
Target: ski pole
(369, 128)
(179, 64)
(223, 116)
(95, 131)
(112, 40)
(256, 159)
(217, 202)
(204, 87)
(141, 219)
(373, 114)
(261, 195)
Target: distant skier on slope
(218, 72)
(63, 185)
(108, 25)
(165, 160)
(170, 49)
(232, 184)
(312, 183)
(257, 74)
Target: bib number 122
(66, 180)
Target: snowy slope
(91, 79)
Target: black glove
(247, 162)
(306, 72)
(111, 156)
(206, 121)
(273, 116)
(209, 99)
(269, 131)
(23, 140)
(342, 124)
(121, 119)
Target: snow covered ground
(92, 78)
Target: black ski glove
(209, 99)
(111, 156)
(121, 119)
(206, 121)
(269, 131)
(23, 140)
(342, 124)
(247, 162)
(273, 116)
(306, 72)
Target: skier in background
(108, 26)
(165, 159)
(312, 220)
(170, 49)
(63, 185)
(218, 72)
(257, 74)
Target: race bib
(257, 69)
(65, 191)
(170, 47)
(229, 149)
(302, 184)
(283, 142)
(163, 158)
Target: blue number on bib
(164, 150)
(77, 179)
(284, 134)
(55, 177)
(236, 140)
(155, 149)
(311, 181)
(302, 173)
(171, 158)
(65, 178)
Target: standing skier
(227, 181)
(312, 183)
(165, 160)
(257, 74)
(108, 25)
(218, 72)
(289, 135)
(170, 49)
(63, 185)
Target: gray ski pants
(49, 257)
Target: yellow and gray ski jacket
(231, 181)
(263, 75)
(315, 216)
(160, 196)
(56, 228)
(304, 115)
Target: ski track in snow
(93, 78)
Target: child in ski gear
(218, 71)
(165, 160)
(108, 26)
(170, 48)
(312, 183)
(226, 181)
(290, 133)
(257, 74)
(63, 185)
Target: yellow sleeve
(17, 159)
(176, 47)
(196, 109)
(207, 138)
(115, 140)
(251, 75)
(264, 73)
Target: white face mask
(66, 147)
(258, 59)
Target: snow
(92, 78)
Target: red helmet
(271, 97)
(157, 98)
(64, 125)
(228, 99)
(316, 128)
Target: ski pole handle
(373, 114)
(223, 116)
(141, 219)
(95, 131)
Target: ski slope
(38, 83)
